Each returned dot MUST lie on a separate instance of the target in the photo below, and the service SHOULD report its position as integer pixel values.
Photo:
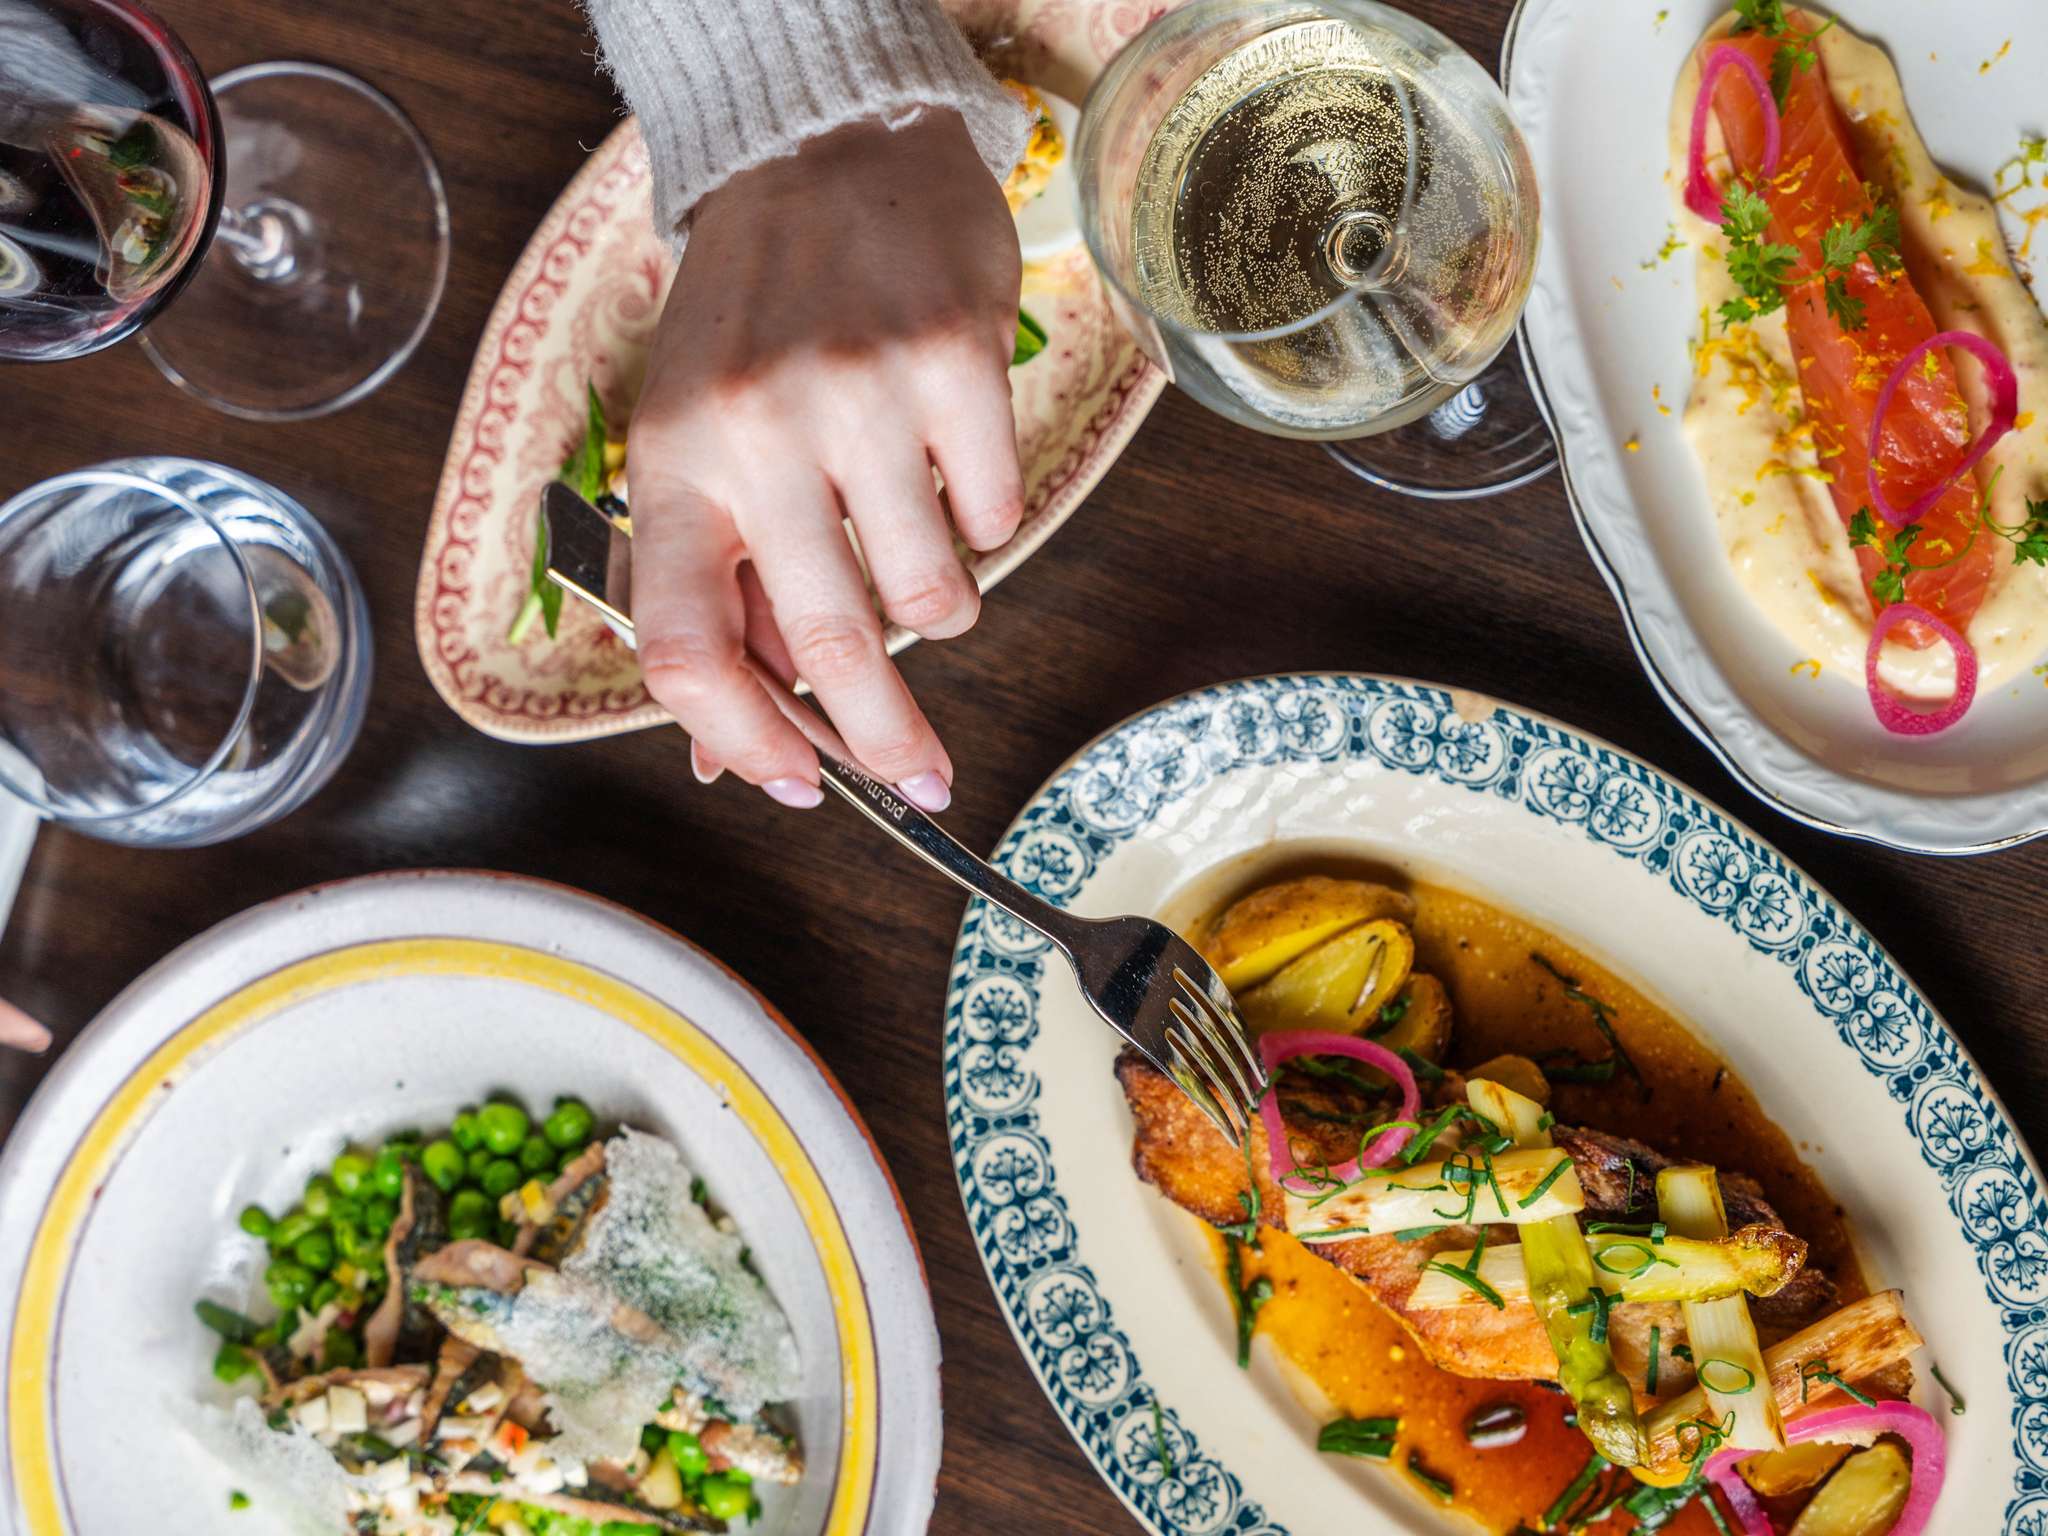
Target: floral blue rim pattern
(1119, 783)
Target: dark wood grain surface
(1206, 553)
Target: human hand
(20, 1031)
(843, 321)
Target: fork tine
(1196, 1026)
(1226, 1008)
(1222, 1036)
(1222, 1105)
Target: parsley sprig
(1766, 270)
(2028, 538)
(1768, 17)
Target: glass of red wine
(293, 212)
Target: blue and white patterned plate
(1108, 1288)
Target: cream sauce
(1746, 422)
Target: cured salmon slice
(1926, 430)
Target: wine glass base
(331, 255)
(1488, 438)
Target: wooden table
(1207, 553)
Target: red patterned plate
(582, 303)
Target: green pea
(536, 1156)
(465, 1132)
(468, 1213)
(724, 1497)
(475, 1161)
(349, 1172)
(288, 1283)
(442, 1161)
(500, 1178)
(348, 1208)
(503, 1127)
(687, 1452)
(295, 1225)
(569, 1125)
(233, 1362)
(387, 1174)
(323, 1293)
(255, 1221)
(359, 1249)
(319, 1201)
(378, 1215)
(316, 1251)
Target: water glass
(186, 655)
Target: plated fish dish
(512, 1326)
(1518, 1236)
(1869, 401)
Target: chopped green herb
(1556, 1172)
(1956, 1405)
(1031, 339)
(1629, 1268)
(1467, 1274)
(1575, 1490)
(1439, 1486)
(1372, 1439)
(1735, 1378)
(1245, 1299)
(237, 1499)
(1603, 1020)
(1650, 1372)
(1817, 1371)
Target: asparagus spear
(1572, 1305)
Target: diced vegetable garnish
(1856, 1341)
(1893, 712)
(1031, 339)
(1872, 1487)
(1727, 1360)
(1637, 1268)
(1280, 1047)
(1570, 1301)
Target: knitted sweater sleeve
(721, 86)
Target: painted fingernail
(926, 791)
(797, 794)
(707, 772)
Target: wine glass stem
(268, 239)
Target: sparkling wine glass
(1319, 218)
(187, 656)
(293, 211)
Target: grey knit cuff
(722, 86)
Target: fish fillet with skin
(1179, 1152)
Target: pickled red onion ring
(1893, 712)
(1701, 195)
(1915, 1426)
(1283, 1046)
(2005, 410)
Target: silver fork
(1148, 984)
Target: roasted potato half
(1339, 985)
(1256, 937)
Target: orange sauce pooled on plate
(1358, 1355)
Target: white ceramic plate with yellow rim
(241, 1063)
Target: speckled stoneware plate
(240, 1064)
(1607, 322)
(1109, 1288)
(581, 304)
